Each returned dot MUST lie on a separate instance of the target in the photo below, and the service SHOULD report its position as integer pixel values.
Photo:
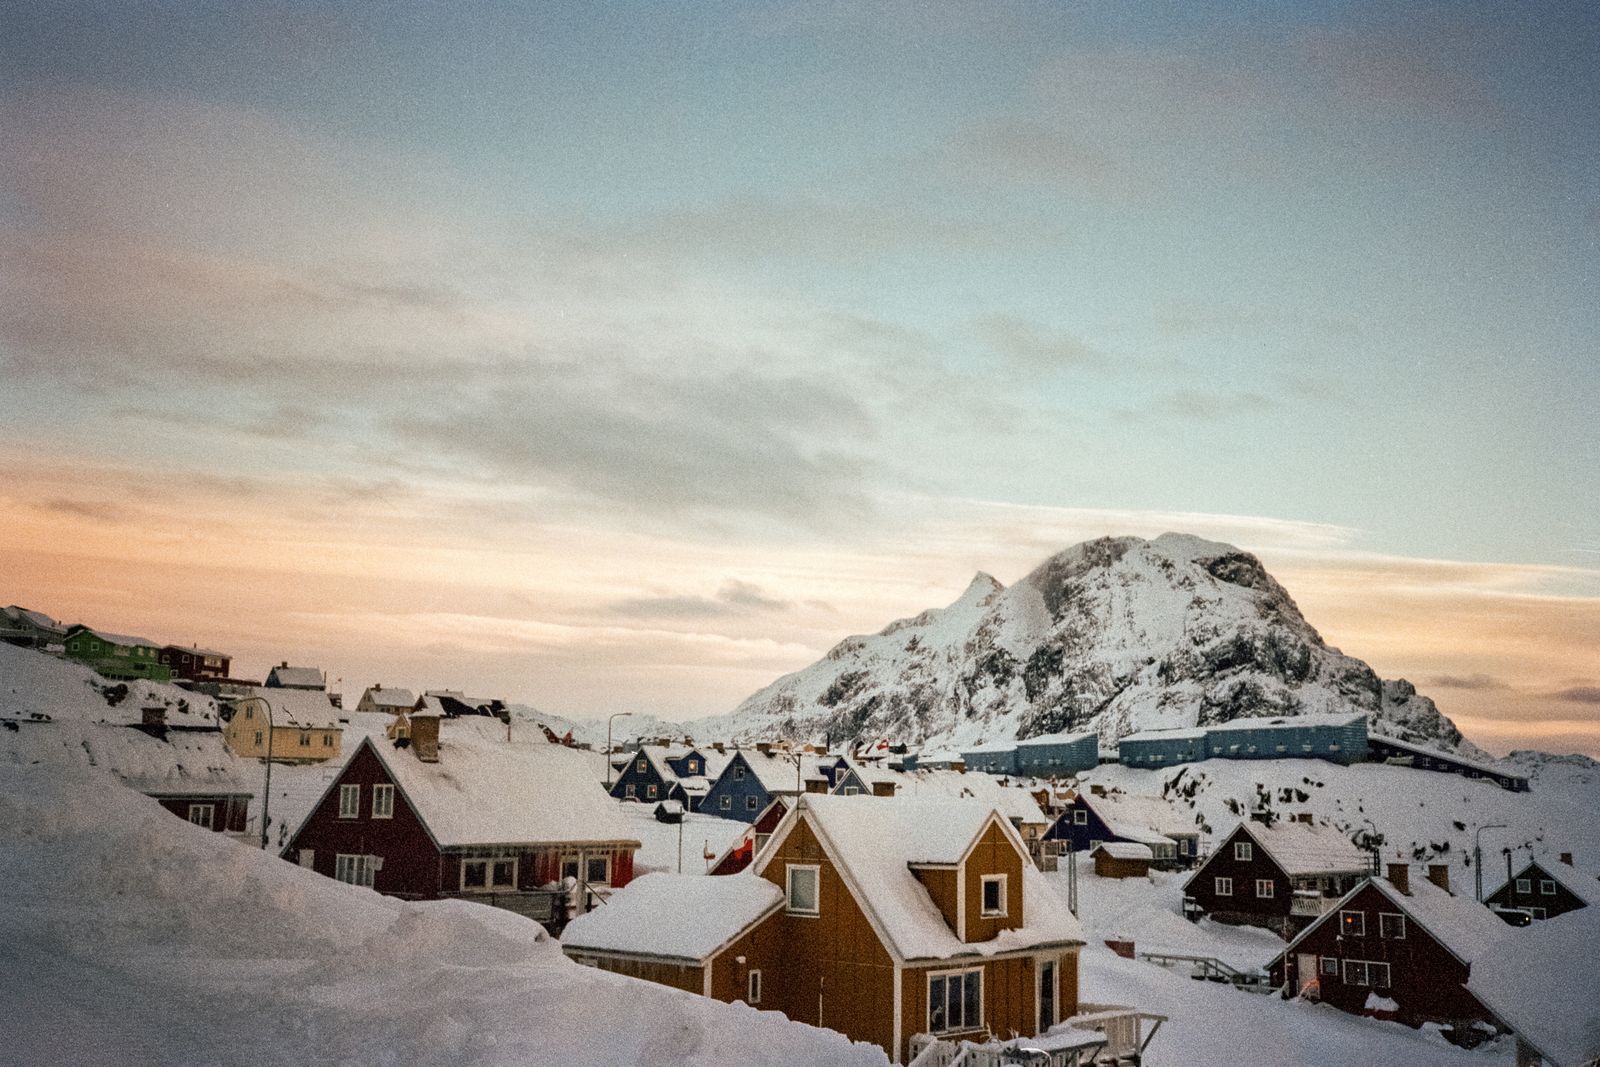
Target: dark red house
(1281, 876)
(1396, 948)
(194, 663)
(470, 815)
(742, 852)
(1548, 888)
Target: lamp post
(266, 799)
(1477, 856)
(609, 721)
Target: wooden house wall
(641, 780)
(1109, 866)
(411, 863)
(993, 854)
(688, 977)
(941, 886)
(1244, 907)
(229, 814)
(1563, 901)
(1427, 981)
(738, 790)
(1010, 995)
(830, 970)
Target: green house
(116, 655)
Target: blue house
(1340, 738)
(749, 783)
(1163, 748)
(1058, 755)
(647, 777)
(1094, 818)
(996, 757)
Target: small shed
(1122, 859)
(669, 811)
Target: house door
(1305, 972)
(1047, 995)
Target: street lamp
(1477, 856)
(609, 721)
(266, 800)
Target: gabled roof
(306, 708)
(390, 698)
(1124, 850)
(1303, 849)
(676, 916)
(1015, 803)
(1541, 984)
(1465, 928)
(1585, 885)
(296, 676)
(775, 773)
(486, 790)
(125, 640)
(37, 618)
(876, 841)
(1139, 818)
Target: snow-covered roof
(1541, 984)
(1461, 924)
(38, 618)
(185, 763)
(486, 790)
(1583, 884)
(309, 708)
(126, 640)
(677, 916)
(1125, 850)
(875, 841)
(1439, 753)
(389, 698)
(1003, 745)
(1015, 803)
(1303, 849)
(1177, 733)
(296, 676)
(1139, 818)
(1287, 721)
(775, 772)
(1064, 738)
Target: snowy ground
(130, 937)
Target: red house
(521, 824)
(1399, 949)
(742, 852)
(1280, 876)
(195, 663)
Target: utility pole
(609, 721)
(1477, 855)
(266, 799)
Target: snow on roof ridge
(680, 916)
(1318, 848)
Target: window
(488, 875)
(1362, 973)
(1524, 885)
(994, 895)
(327, 740)
(598, 870)
(1282, 748)
(383, 802)
(258, 737)
(1330, 965)
(750, 803)
(305, 739)
(1353, 923)
(727, 803)
(1264, 888)
(1547, 888)
(1224, 887)
(650, 791)
(569, 867)
(849, 791)
(356, 870)
(349, 801)
(630, 791)
(955, 1001)
(200, 814)
(643, 764)
(753, 989)
(801, 885)
(250, 711)
(1080, 818)
(1391, 925)
(1242, 851)
(738, 772)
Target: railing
(1123, 1027)
(1311, 906)
(1211, 969)
(540, 905)
(1119, 1037)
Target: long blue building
(1339, 738)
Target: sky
(617, 356)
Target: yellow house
(287, 725)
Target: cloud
(733, 598)
(1579, 694)
(96, 510)
(1030, 345)
(1469, 681)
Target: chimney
(720, 747)
(1400, 877)
(1304, 816)
(425, 737)
(1439, 875)
(1097, 790)
(285, 663)
(764, 747)
(1566, 857)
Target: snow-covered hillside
(1115, 635)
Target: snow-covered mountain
(1114, 635)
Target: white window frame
(816, 889)
(605, 878)
(1364, 974)
(1330, 966)
(643, 764)
(983, 885)
(203, 815)
(1525, 885)
(384, 810)
(350, 801)
(1360, 929)
(967, 1025)
(489, 884)
(354, 868)
(750, 802)
(1080, 818)
(1547, 887)
(1222, 887)
(752, 987)
(1264, 889)
(1395, 918)
(630, 791)
(727, 802)
(1242, 852)
(850, 791)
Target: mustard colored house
(292, 725)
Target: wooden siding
(1010, 995)
(941, 886)
(993, 854)
(229, 814)
(1244, 907)
(1109, 866)
(1426, 980)
(1560, 902)
(830, 970)
(687, 977)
